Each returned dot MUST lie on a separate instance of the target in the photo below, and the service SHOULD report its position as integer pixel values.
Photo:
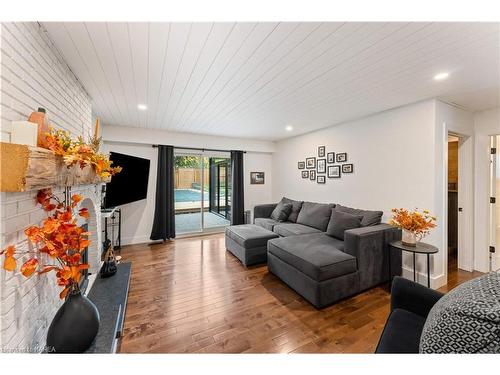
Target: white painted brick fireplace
(34, 74)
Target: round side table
(421, 248)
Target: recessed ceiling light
(142, 107)
(441, 76)
(289, 128)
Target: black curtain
(237, 187)
(164, 219)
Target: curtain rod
(200, 149)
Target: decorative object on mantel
(24, 133)
(76, 323)
(109, 266)
(414, 224)
(66, 163)
(257, 178)
(40, 118)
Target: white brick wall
(34, 74)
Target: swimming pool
(189, 195)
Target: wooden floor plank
(191, 296)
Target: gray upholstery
(281, 211)
(292, 229)
(266, 223)
(263, 210)
(296, 206)
(316, 215)
(340, 222)
(369, 217)
(370, 246)
(315, 255)
(248, 242)
(318, 293)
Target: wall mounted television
(131, 184)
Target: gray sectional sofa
(318, 257)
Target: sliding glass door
(201, 191)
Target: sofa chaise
(325, 252)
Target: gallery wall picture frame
(301, 165)
(347, 168)
(311, 163)
(257, 178)
(312, 174)
(321, 165)
(333, 171)
(330, 157)
(321, 180)
(341, 157)
(305, 174)
(321, 151)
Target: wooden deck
(190, 295)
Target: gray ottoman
(248, 243)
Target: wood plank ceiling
(253, 79)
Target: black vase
(74, 326)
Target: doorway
(494, 239)
(201, 191)
(453, 208)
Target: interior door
(494, 232)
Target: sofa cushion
(340, 222)
(265, 222)
(369, 217)
(401, 332)
(316, 255)
(249, 236)
(281, 212)
(293, 229)
(296, 206)
(316, 215)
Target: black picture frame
(305, 174)
(321, 179)
(321, 151)
(312, 174)
(301, 165)
(257, 178)
(321, 165)
(311, 163)
(330, 157)
(347, 168)
(333, 171)
(341, 157)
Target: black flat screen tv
(131, 184)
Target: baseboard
(135, 240)
(421, 278)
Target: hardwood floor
(190, 295)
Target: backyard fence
(184, 178)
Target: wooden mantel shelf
(25, 168)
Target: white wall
(137, 217)
(33, 74)
(486, 124)
(399, 161)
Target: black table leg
(390, 270)
(428, 272)
(414, 268)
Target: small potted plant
(414, 224)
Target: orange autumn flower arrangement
(416, 222)
(78, 152)
(60, 237)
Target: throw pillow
(369, 217)
(296, 206)
(315, 215)
(281, 212)
(466, 320)
(340, 222)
